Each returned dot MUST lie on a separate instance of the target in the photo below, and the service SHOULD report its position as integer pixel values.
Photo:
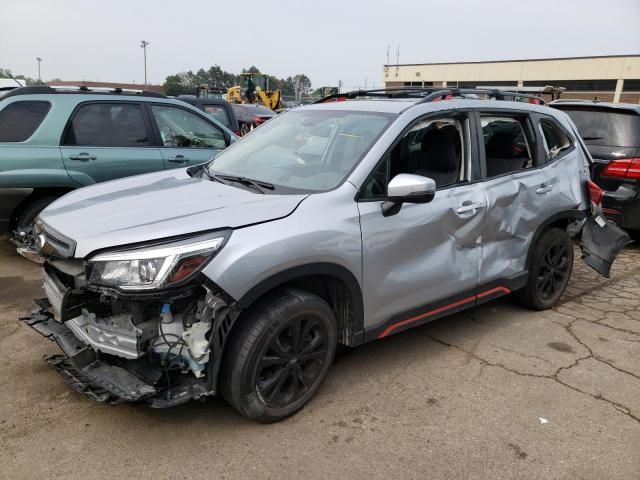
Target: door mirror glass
(410, 188)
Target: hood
(158, 205)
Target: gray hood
(158, 205)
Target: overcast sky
(328, 40)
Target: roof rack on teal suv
(56, 139)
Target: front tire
(30, 211)
(549, 272)
(278, 355)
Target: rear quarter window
(19, 120)
(555, 138)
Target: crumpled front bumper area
(104, 379)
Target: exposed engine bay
(128, 347)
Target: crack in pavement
(606, 283)
(595, 356)
(617, 406)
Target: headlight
(154, 267)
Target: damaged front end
(136, 325)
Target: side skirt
(448, 306)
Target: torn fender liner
(80, 368)
(601, 243)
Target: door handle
(467, 207)
(544, 189)
(178, 159)
(82, 156)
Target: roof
(124, 86)
(397, 106)
(205, 101)
(78, 90)
(384, 105)
(511, 61)
(592, 104)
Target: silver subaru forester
(341, 222)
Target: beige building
(607, 78)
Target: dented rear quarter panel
(515, 211)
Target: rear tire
(278, 355)
(244, 129)
(31, 210)
(549, 271)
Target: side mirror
(408, 188)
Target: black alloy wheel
(553, 271)
(550, 266)
(291, 362)
(278, 354)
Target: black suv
(611, 132)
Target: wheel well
(560, 220)
(339, 293)
(36, 194)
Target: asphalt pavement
(495, 392)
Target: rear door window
(507, 144)
(219, 113)
(19, 120)
(108, 125)
(606, 126)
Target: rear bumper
(623, 206)
(104, 378)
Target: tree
(174, 85)
(6, 73)
(303, 82)
(216, 77)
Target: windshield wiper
(205, 171)
(258, 185)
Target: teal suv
(54, 140)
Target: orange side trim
(444, 308)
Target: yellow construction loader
(254, 88)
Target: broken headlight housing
(154, 267)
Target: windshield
(311, 150)
(606, 127)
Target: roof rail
(576, 100)
(425, 95)
(51, 89)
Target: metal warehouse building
(607, 78)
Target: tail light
(258, 120)
(595, 193)
(626, 168)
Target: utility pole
(143, 45)
(39, 76)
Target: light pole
(39, 76)
(143, 45)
